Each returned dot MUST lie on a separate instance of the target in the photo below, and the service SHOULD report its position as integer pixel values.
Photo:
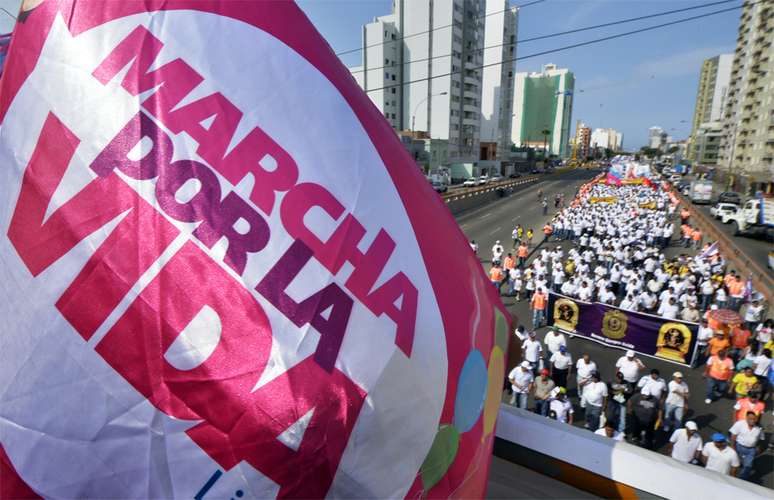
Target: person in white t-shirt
(676, 403)
(685, 444)
(630, 367)
(762, 365)
(704, 334)
(609, 431)
(720, 457)
(521, 382)
(583, 370)
(594, 400)
(746, 435)
(560, 407)
(655, 384)
(553, 340)
(561, 366)
(532, 351)
(752, 316)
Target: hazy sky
(629, 84)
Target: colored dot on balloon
(471, 391)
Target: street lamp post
(414, 114)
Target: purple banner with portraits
(669, 339)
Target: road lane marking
(497, 229)
(486, 214)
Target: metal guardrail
(449, 197)
(744, 265)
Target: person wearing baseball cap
(720, 457)
(630, 367)
(685, 444)
(521, 382)
(676, 403)
(543, 387)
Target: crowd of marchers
(612, 243)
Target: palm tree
(546, 132)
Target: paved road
(512, 481)
(496, 221)
(755, 247)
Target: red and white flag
(222, 275)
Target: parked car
(439, 186)
(496, 178)
(483, 179)
(730, 197)
(514, 175)
(718, 209)
(534, 171)
(470, 182)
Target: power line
(436, 28)
(551, 35)
(566, 47)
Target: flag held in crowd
(208, 290)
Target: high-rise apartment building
(657, 138)
(582, 141)
(421, 67)
(542, 109)
(497, 75)
(747, 148)
(607, 138)
(711, 95)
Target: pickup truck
(755, 216)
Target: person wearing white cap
(497, 252)
(521, 382)
(676, 404)
(685, 444)
(630, 366)
(646, 411)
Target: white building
(656, 137)
(497, 80)
(421, 68)
(607, 138)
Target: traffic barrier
(449, 197)
(605, 467)
(732, 252)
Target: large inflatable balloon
(222, 274)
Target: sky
(628, 84)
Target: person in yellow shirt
(569, 267)
(743, 382)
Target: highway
(496, 220)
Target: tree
(546, 132)
(651, 152)
(673, 150)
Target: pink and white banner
(222, 275)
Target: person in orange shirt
(547, 230)
(686, 231)
(718, 372)
(684, 215)
(696, 237)
(751, 403)
(539, 305)
(728, 278)
(736, 294)
(718, 343)
(496, 275)
(509, 263)
(522, 254)
(740, 340)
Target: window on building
(393, 36)
(386, 114)
(386, 62)
(393, 116)
(392, 90)
(393, 78)
(386, 76)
